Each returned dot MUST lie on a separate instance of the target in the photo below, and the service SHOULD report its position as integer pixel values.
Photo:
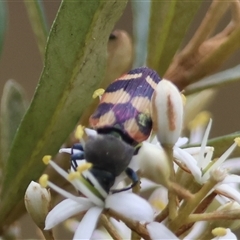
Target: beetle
(122, 121)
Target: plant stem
(188, 206)
(109, 227)
(48, 235)
(172, 197)
(216, 215)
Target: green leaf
(39, 23)
(3, 23)
(13, 107)
(74, 66)
(169, 22)
(141, 14)
(216, 80)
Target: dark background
(21, 61)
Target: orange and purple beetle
(122, 121)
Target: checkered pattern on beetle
(126, 104)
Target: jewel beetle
(122, 121)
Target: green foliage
(74, 66)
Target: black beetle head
(108, 153)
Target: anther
(73, 175)
(84, 167)
(79, 132)
(219, 232)
(46, 159)
(43, 180)
(97, 93)
(237, 141)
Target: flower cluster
(185, 193)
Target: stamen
(219, 232)
(46, 159)
(73, 175)
(83, 167)
(97, 93)
(43, 180)
(204, 143)
(79, 132)
(237, 141)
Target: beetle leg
(133, 176)
(77, 155)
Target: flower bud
(231, 208)
(167, 112)
(153, 163)
(37, 202)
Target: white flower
(199, 161)
(126, 203)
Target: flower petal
(196, 150)
(159, 199)
(88, 224)
(197, 229)
(231, 178)
(189, 161)
(131, 206)
(64, 210)
(233, 165)
(100, 234)
(181, 141)
(159, 231)
(227, 190)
